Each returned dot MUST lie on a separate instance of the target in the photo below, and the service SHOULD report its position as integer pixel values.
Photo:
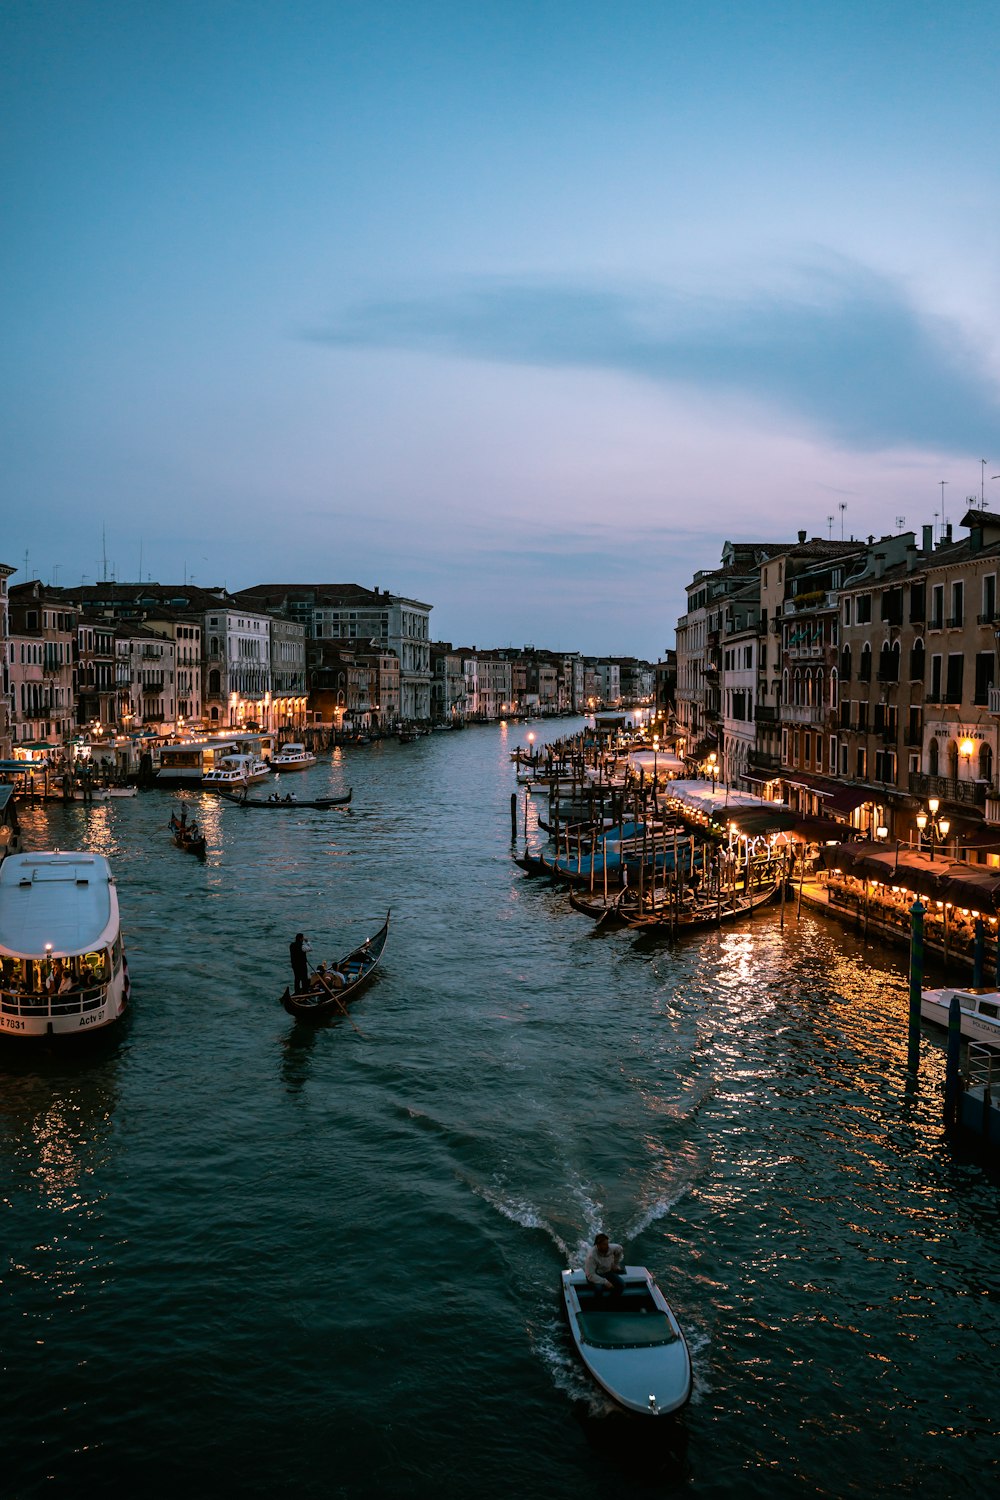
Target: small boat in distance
(187, 836)
(62, 960)
(335, 988)
(980, 1012)
(292, 758)
(631, 1344)
(236, 770)
(287, 802)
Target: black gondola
(184, 840)
(286, 802)
(329, 998)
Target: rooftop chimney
(802, 537)
(928, 544)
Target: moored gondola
(335, 988)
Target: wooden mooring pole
(916, 984)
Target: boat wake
(551, 1343)
(698, 1344)
(519, 1212)
(656, 1211)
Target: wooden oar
(334, 996)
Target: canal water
(248, 1258)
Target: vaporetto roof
(67, 900)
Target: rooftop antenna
(943, 483)
(140, 559)
(982, 483)
(104, 552)
(900, 522)
(829, 527)
(843, 507)
(26, 565)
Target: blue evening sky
(517, 308)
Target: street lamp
(938, 826)
(713, 770)
(656, 747)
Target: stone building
(42, 660)
(360, 618)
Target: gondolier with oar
(298, 951)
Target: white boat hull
(28, 1023)
(980, 1012)
(633, 1347)
(305, 764)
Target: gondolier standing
(298, 951)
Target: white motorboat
(236, 771)
(62, 961)
(292, 758)
(980, 1012)
(631, 1344)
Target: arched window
(985, 762)
(845, 663)
(215, 682)
(917, 662)
(215, 714)
(953, 759)
(819, 700)
(888, 662)
(865, 664)
(834, 689)
(932, 758)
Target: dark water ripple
(244, 1258)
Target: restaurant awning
(974, 886)
(838, 796)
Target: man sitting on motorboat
(603, 1266)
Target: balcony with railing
(153, 686)
(804, 713)
(758, 761)
(949, 788)
(994, 700)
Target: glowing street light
(939, 827)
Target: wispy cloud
(846, 351)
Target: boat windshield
(625, 1328)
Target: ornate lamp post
(939, 827)
(713, 770)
